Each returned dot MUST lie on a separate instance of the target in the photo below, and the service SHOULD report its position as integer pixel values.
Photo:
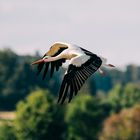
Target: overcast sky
(108, 27)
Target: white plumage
(79, 63)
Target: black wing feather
(76, 77)
(71, 91)
(65, 93)
(45, 70)
(40, 67)
(62, 88)
(53, 65)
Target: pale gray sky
(108, 27)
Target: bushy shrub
(7, 131)
(123, 126)
(84, 118)
(39, 118)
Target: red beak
(38, 62)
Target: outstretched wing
(55, 65)
(76, 77)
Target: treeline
(108, 117)
(107, 108)
(18, 78)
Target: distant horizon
(121, 67)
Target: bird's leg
(110, 65)
(101, 72)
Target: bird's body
(80, 66)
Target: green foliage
(124, 97)
(84, 118)
(132, 74)
(39, 118)
(18, 79)
(101, 80)
(7, 132)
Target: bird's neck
(60, 56)
(51, 59)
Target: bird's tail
(104, 60)
(104, 63)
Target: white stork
(82, 64)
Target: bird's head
(43, 60)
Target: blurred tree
(84, 118)
(131, 74)
(117, 76)
(132, 95)
(123, 126)
(114, 98)
(39, 118)
(103, 83)
(7, 131)
(18, 78)
(124, 97)
(92, 86)
(139, 74)
(8, 64)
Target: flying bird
(80, 66)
